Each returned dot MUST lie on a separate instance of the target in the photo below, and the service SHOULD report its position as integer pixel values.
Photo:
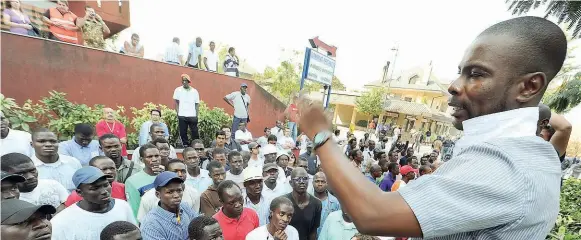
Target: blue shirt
(144, 132)
(335, 228)
(330, 205)
(262, 208)
(83, 154)
(159, 224)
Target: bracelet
(321, 138)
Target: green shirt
(135, 187)
(335, 228)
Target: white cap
(268, 149)
(252, 173)
(281, 153)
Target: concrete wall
(32, 67)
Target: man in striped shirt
(502, 78)
(173, 53)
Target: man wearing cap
(81, 146)
(272, 186)
(171, 217)
(190, 196)
(254, 198)
(10, 185)
(255, 159)
(243, 136)
(312, 161)
(87, 218)
(408, 173)
(269, 153)
(34, 190)
(22, 220)
(187, 101)
(240, 101)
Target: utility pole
(396, 49)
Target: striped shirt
(173, 53)
(159, 224)
(262, 208)
(471, 202)
(231, 66)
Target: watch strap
(321, 138)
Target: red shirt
(293, 112)
(117, 192)
(117, 128)
(237, 229)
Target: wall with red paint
(32, 67)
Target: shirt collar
(167, 214)
(202, 175)
(521, 122)
(37, 162)
(233, 220)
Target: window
(408, 99)
(414, 79)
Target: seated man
(155, 131)
(82, 146)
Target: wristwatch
(321, 138)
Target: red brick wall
(32, 67)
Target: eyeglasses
(301, 179)
(199, 149)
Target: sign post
(318, 68)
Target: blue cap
(164, 178)
(243, 85)
(87, 175)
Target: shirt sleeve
(101, 129)
(231, 96)
(318, 211)
(133, 197)
(122, 132)
(206, 206)
(469, 197)
(176, 94)
(197, 96)
(145, 206)
(324, 234)
(143, 133)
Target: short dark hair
(8, 161)
(225, 126)
(276, 202)
(272, 137)
(266, 129)
(176, 39)
(424, 168)
(40, 130)
(87, 7)
(230, 49)
(172, 161)
(225, 185)
(213, 165)
(107, 136)
(220, 133)
(155, 110)
(117, 228)
(353, 153)
(96, 158)
(143, 148)
(84, 129)
(196, 141)
(134, 35)
(542, 45)
(187, 150)
(159, 140)
(155, 125)
(392, 166)
(352, 140)
(233, 154)
(196, 227)
(217, 151)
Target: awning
(405, 107)
(441, 117)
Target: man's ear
(157, 193)
(531, 86)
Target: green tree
(337, 85)
(371, 102)
(568, 12)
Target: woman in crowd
(14, 17)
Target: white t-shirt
(286, 143)
(246, 136)
(191, 197)
(47, 192)
(239, 108)
(262, 141)
(212, 60)
(303, 140)
(188, 99)
(16, 142)
(74, 223)
(238, 179)
(195, 51)
(61, 171)
(259, 163)
(261, 233)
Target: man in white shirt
(211, 59)
(256, 160)
(156, 130)
(236, 166)
(286, 142)
(13, 140)
(243, 136)
(281, 213)
(277, 130)
(272, 186)
(173, 53)
(197, 177)
(240, 101)
(263, 140)
(49, 163)
(195, 54)
(187, 101)
(87, 218)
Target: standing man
(13, 141)
(195, 51)
(408, 173)
(209, 201)
(281, 212)
(33, 190)
(240, 101)
(173, 53)
(140, 183)
(10, 185)
(197, 177)
(390, 178)
(187, 101)
(235, 172)
(82, 146)
(107, 166)
(26, 221)
(94, 29)
(291, 115)
(62, 23)
(235, 220)
(329, 203)
(255, 159)
(109, 124)
(231, 63)
(144, 131)
(243, 136)
(272, 187)
(50, 164)
(308, 209)
(86, 219)
(502, 78)
(211, 59)
(111, 147)
(254, 198)
(170, 218)
(312, 161)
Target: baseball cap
(164, 178)
(407, 169)
(252, 173)
(282, 153)
(243, 85)
(268, 149)
(14, 177)
(253, 145)
(269, 166)
(87, 175)
(186, 76)
(16, 211)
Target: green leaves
(18, 117)
(568, 12)
(568, 224)
(566, 96)
(371, 102)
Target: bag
(246, 107)
(34, 32)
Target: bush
(168, 115)
(210, 121)
(18, 117)
(568, 226)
